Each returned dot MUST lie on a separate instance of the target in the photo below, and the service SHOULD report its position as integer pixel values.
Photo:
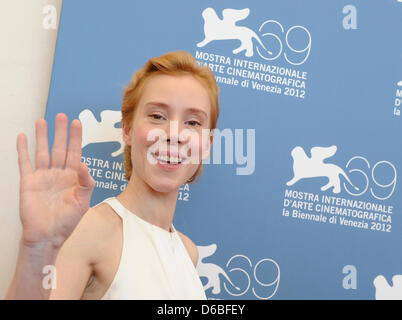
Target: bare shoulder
(99, 220)
(191, 247)
(98, 224)
(105, 216)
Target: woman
(126, 247)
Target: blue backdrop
(316, 88)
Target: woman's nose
(173, 132)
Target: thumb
(86, 186)
(85, 180)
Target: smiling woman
(126, 247)
(178, 64)
(162, 115)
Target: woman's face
(168, 133)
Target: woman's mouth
(168, 159)
(168, 162)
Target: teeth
(167, 159)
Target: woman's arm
(79, 256)
(27, 282)
(53, 197)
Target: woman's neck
(157, 208)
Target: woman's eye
(193, 123)
(156, 116)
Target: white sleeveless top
(154, 263)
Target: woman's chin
(165, 184)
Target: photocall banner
(301, 197)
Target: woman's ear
(126, 135)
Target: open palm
(54, 195)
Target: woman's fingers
(42, 147)
(74, 147)
(24, 162)
(58, 159)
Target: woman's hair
(175, 63)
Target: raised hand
(54, 195)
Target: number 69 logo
(291, 54)
(245, 279)
(369, 180)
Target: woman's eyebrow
(188, 110)
(197, 111)
(159, 104)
